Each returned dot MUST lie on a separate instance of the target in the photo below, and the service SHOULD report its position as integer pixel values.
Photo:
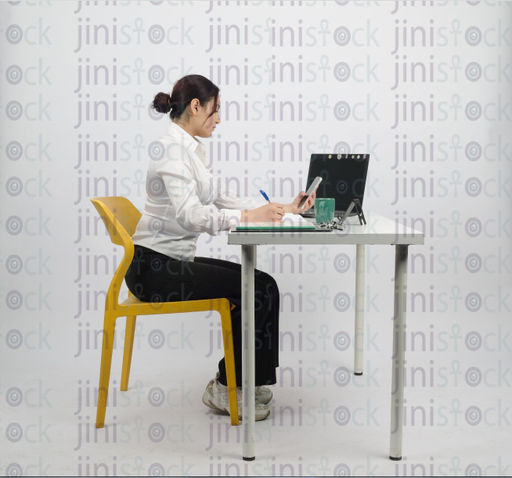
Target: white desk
(378, 230)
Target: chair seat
(134, 306)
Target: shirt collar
(190, 143)
(184, 138)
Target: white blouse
(184, 198)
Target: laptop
(343, 178)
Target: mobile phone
(310, 191)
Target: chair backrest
(120, 217)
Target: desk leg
(398, 357)
(248, 365)
(359, 327)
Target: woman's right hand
(268, 213)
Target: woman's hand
(268, 213)
(293, 207)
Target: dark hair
(184, 91)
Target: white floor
(56, 415)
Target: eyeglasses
(334, 224)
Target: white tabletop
(378, 230)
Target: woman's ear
(194, 106)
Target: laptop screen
(343, 178)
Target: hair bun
(162, 103)
(184, 91)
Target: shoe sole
(223, 411)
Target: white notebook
(290, 221)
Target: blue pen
(264, 194)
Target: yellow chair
(121, 218)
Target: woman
(183, 201)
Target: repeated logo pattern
(423, 87)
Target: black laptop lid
(343, 177)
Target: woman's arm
(181, 186)
(229, 199)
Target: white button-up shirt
(184, 198)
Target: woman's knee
(273, 284)
(267, 279)
(266, 294)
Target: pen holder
(324, 210)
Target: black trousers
(155, 277)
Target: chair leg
(229, 359)
(129, 337)
(109, 327)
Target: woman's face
(206, 123)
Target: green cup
(324, 209)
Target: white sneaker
(216, 397)
(263, 394)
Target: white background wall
(53, 278)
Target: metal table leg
(398, 357)
(359, 322)
(248, 362)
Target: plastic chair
(121, 218)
